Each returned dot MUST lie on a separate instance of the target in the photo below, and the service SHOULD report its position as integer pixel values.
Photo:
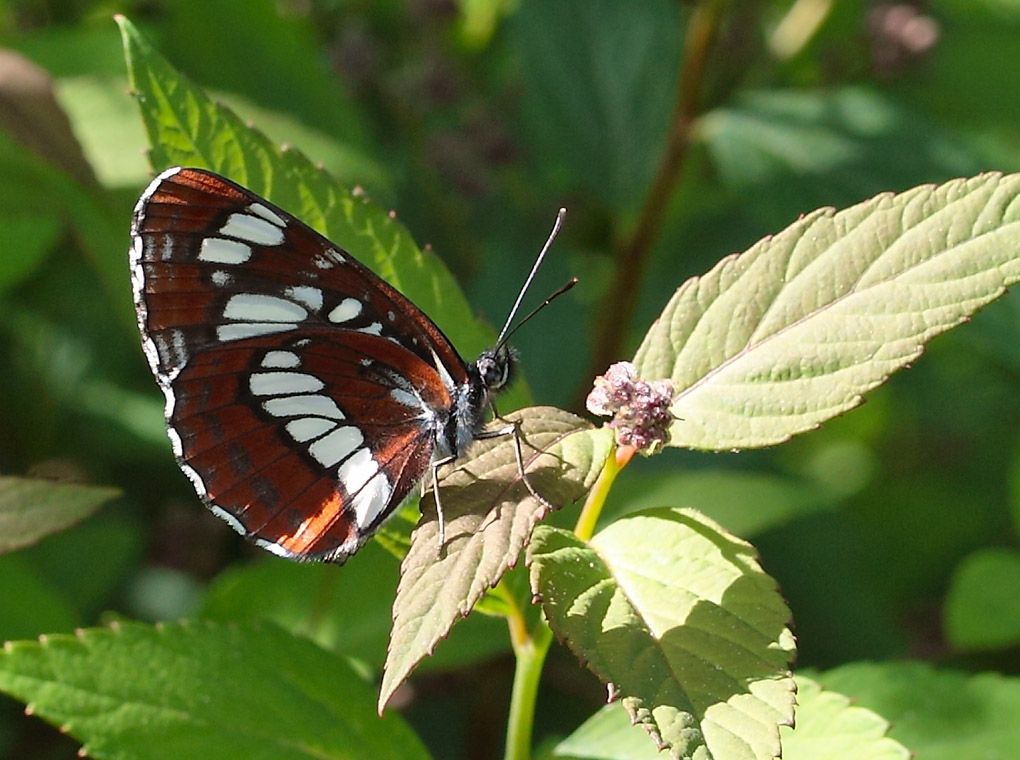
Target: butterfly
(305, 396)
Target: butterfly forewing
(304, 394)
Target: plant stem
(530, 650)
(530, 656)
(589, 517)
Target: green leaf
(290, 73)
(24, 240)
(743, 502)
(789, 149)
(36, 189)
(31, 509)
(201, 690)
(777, 340)
(598, 89)
(186, 128)
(680, 618)
(104, 120)
(324, 603)
(939, 715)
(330, 606)
(983, 604)
(108, 545)
(829, 727)
(489, 515)
(29, 604)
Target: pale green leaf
(680, 618)
(791, 149)
(489, 515)
(775, 341)
(938, 714)
(829, 727)
(31, 509)
(202, 690)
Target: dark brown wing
(304, 394)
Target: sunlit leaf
(938, 714)
(680, 618)
(829, 727)
(775, 341)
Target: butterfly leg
(513, 429)
(439, 505)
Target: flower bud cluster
(640, 409)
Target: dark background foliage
(675, 134)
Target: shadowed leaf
(489, 515)
(202, 690)
(31, 509)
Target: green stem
(530, 656)
(589, 517)
(531, 649)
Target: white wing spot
(369, 488)
(284, 383)
(268, 214)
(180, 348)
(372, 499)
(221, 279)
(306, 428)
(322, 262)
(281, 360)
(345, 311)
(304, 405)
(373, 329)
(252, 229)
(219, 251)
(309, 296)
(338, 445)
(256, 307)
(242, 330)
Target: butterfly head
(496, 368)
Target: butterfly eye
(496, 367)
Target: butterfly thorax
(488, 375)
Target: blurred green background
(892, 531)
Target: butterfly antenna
(503, 334)
(559, 291)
